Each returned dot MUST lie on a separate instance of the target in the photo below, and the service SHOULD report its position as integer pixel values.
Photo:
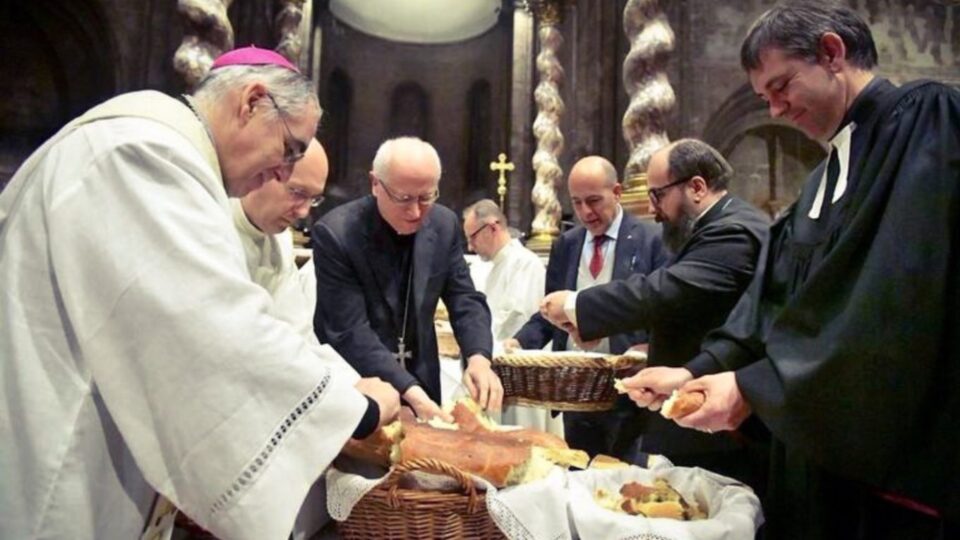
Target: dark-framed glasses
(293, 148)
(425, 199)
(656, 194)
(300, 196)
(473, 236)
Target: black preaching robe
(847, 342)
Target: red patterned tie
(596, 262)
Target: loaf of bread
(680, 404)
(474, 443)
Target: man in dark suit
(717, 240)
(610, 244)
(382, 263)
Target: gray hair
(483, 209)
(384, 156)
(692, 157)
(797, 28)
(292, 91)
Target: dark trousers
(603, 432)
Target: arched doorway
(771, 158)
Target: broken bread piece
(680, 404)
(657, 501)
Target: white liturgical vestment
(136, 353)
(514, 287)
(271, 264)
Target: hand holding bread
(483, 384)
(384, 394)
(652, 386)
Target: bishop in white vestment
(138, 356)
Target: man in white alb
(513, 287)
(138, 356)
(263, 218)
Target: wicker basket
(391, 512)
(447, 345)
(564, 380)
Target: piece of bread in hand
(680, 404)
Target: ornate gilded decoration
(502, 166)
(207, 34)
(651, 96)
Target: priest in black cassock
(847, 343)
(382, 262)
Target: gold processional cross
(502, 166)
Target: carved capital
(548, 12)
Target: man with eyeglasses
(138, 357)
(609, 244)
(513, 288)
(383, 262)
(716, 239)
(263, 218)
(846, 345)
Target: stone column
(207, 34)
(520, 112)
(546, 126)
(292, 28)
(651, 96)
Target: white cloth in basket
(533, 511)
(733, 509)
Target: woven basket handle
(428, 465)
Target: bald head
(594, 169)
(276, 205)
(594, 193)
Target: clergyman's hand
(387, 398)
(650, 387)
(551, 308)
(484, 385)
(723, 410)
(423, 406)
(511, 344)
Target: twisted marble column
(289, 31)
(207, 34)
(651, 96)
(546, 129)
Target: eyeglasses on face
(473, 236)
(425, 199)
(656, 194)
(300, 196)
(293, 148)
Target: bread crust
(681, 404)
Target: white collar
(243, 222)
(614, 229)
(840, 141)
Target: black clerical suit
(847, 344)
(639, 250)
(678, 304)
(361, 293)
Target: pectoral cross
(402, 354)
(501, 165)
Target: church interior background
(543, 81)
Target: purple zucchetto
(252, 56)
